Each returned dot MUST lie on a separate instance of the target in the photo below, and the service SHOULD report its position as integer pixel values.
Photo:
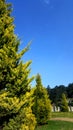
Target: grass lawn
(62, 114)
(56, 125)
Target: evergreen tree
(15, 88)
(64, 104)
(42, 104)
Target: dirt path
(63, 119)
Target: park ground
(59, 121)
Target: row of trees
(20, 106)
(55, 93)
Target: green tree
(64, 104)
(70, 90)
(15, 88)
(42, 104)
(55, 93)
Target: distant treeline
(55, 94)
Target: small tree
(42, 104)
(64, 104)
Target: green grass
(62, 114)
(56, 125)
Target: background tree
(55, 94)
(64, 104)
(70, 90)
(42, 104)
(15, 87)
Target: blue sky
(49, 24)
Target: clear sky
(49, 24)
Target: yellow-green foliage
(25, 120)
(64, 104)
(19, 109)
(42, 104)
(15, 88)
